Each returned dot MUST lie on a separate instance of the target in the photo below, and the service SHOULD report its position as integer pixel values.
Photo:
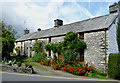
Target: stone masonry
(95, 51)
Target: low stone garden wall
(7, 68)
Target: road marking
(59, 77)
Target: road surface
(33, 77)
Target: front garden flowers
(75, 67)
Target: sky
(34, 14)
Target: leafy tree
(38, 47)
(118, 35)
(118, 2)
(8, 39)
(69, 55)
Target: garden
(69, 49)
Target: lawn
(36, 66)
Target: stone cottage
(99, 33)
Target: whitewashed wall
(112, 42)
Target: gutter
(105, 55)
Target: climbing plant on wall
(71, 42)
(38, 47)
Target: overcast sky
(41, 14)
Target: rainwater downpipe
(105, 55)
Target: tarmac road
(33, 77)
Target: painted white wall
(112, 41)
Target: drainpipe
(24, 47)
(105, 54)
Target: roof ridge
(76, 26)
(76, 22)
(87, 19)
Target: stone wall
(54, 40)
(7, 68)
(57, 39)
(95, 50)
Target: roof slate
(96, 23)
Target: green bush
(18, 64)
(114, 66)
(100, 72)
(38, 56)
(38, 46)
(14, 54)
(48, 47)
(69, 55)
(70, 36)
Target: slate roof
(96, 23)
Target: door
(59, 57)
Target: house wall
(20, 46)
(29, 44)
(112, 43)
(27, 48)
(46, 41)
(95, 51)
(54, 40)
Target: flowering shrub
(74, 67)
(45, 61)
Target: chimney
(115, 8)
(38, 29)
(58, 23)
(26, 31)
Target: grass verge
(36, 66)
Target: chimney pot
(58, 23)
(114, 8)
(38, 29)
(26, 31)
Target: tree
(8, 39)
(118, 2)
(118, 35)
(37, 47)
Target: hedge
(114, 66)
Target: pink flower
(90, 62)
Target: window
(81, 56)
(21, 49)
(36, 40)
(49, 40)
(81, 36)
